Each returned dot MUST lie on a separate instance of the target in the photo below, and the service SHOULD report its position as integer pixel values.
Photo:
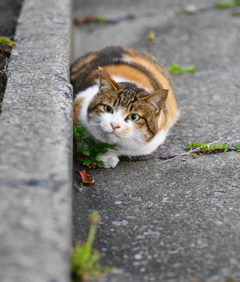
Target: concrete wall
(36, 148)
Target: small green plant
(101, 20)
(204, 147)
(185, 12)
(88, 150)
(6, 45)
(84, 259)
(151, 38)
(223, 4)
(237, 146)
(175, 68)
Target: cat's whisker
(132, 146)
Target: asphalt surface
(176, 220)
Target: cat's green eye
(133, 117)
(108, 109)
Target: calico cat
(123, 97)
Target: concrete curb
(36, 148)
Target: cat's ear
(158, 99)
(105, 81)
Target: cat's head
(124, 114)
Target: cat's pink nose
(115, 125)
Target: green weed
(151, 38)
(6, 45)
(185, 12)
(87, 149)
(101, 20)
(84, 259)
(223, 4)
(237, 146)
(175, 68)
(207, 147)
(237, 3)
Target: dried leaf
(86, 177)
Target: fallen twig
(190, 152)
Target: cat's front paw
(110, 160)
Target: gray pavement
(36, 148)
(176, 220)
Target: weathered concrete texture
(36, 148)
(178, 220)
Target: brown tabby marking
(77, 106)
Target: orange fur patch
(77, 106)
(125, 131)
(130, 74)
